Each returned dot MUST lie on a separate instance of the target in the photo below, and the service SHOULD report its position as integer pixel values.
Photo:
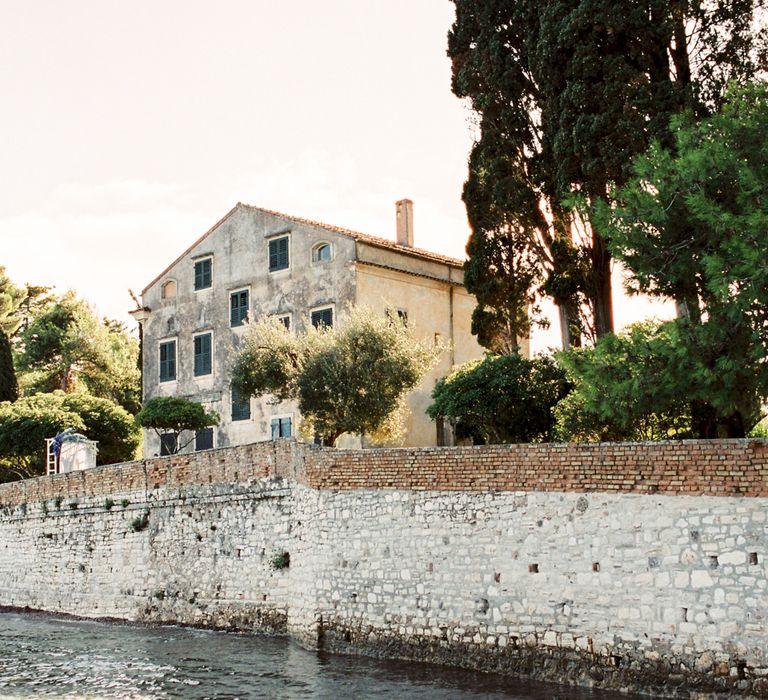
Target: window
(167, 444)
(322, 317)
(238, 308)
(241, 406)
(285, 319)
(399, 314)
(168, 290)
(168, 361)
(321, 252)
(204, 439)
(202, 354)
(203, 273)
(278, 254)
(281, 427)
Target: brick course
(689, 467)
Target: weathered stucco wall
(239, 249)
(608, 566)
(433, 316)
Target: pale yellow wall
(464, 304)
(428, 303)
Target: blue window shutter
(168, 361)
(241, 406)
(203, 354)
(204, 439)
(203, 277)
(238, 308)
(278, 254)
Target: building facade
(255, 262)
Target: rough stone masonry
(634, 566)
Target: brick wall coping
(735, 467)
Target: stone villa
(255, 262)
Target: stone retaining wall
(635, 566)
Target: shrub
(502, 398)
(280, 560)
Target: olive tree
(352, 378)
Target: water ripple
(42, 657)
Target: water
(45, 656)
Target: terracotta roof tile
(363, 237)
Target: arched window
(168, 290)
(322, 252)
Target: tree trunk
(601, 286)
(703, 420)
(570, 333)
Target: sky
(130, 128)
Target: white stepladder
(75, 453)
(51, 461)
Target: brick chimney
(405, 222)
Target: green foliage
(107, 423)
(66, 346)
(11, 298)
(631, 386)
(24, 425)
(693, 226)
(108, 504)
(174, 415)
(269, 361)
(9, 387)
(140, 522)
(121, 383)
(279, 561)
(760, 430)
(502, 399)
(348, 379)
(566, 93)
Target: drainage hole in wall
(533, 568)
(753, 557)
(595, 566)
(713, 562)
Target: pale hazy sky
(128, 129)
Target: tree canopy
(9, 386)
(502, 399)
(566, 93)
(106, 422)
(66, 346)
(25, 424)
(629, 386)
(351, 378)
(172, 416)
(11, 298)
(692, 225)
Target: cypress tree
(566, 93)
(9, 388)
